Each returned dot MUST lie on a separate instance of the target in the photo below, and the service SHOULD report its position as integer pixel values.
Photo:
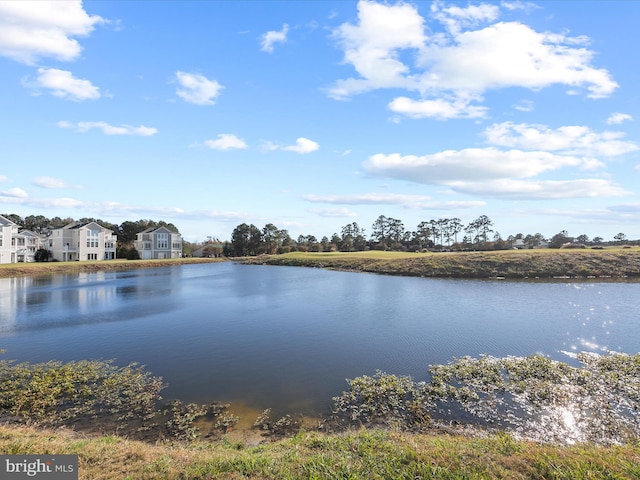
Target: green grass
(362, 454)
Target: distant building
(8, 231)
(27, 243)
(519, 244)
(209, 250)
(82, 241)
(158, 243)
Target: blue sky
(314, 114)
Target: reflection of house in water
(56, 300)
(12, 292)
(89, 294)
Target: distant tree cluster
(387, 233)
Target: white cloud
(617, 118)
(510, 54)
(50, 182)
(272, 37)
(388, 48)
(372, 46)
(519, 5)
(63, 84)
(3, 178)
(30, 30)
(303, 145)
(226, 141)
(60, 202)
(439, 108)
(197, 89)
(525, 106)
(333, 212)
(107, 129)
(494, 173)
(630, 208)
(454, 18)
(14, 193)
(408, 201)
(571, 140)
(540, 190)
(469, 164)
(117, 209)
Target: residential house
(82, 241)
(8, 230)
(519, 244)
(27, 243)
(210, 249)
(158, 243)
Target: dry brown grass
(542, 263)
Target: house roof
(79, 225)
(29, 233)
(157, 229)
(4, 221)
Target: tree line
(387, 233)
(126, 231)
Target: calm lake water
(288, 337)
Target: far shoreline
(9, 270)
(615, 264)
(612, 264)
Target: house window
(92, 256)
(92, 238)
(163, 241)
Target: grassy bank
(366, 454)
(48, 268)
(543, 263)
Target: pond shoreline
(616, 264)
(9, 270)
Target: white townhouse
(27, 243)
(158, 242)
(82, 241)
(8, 231)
